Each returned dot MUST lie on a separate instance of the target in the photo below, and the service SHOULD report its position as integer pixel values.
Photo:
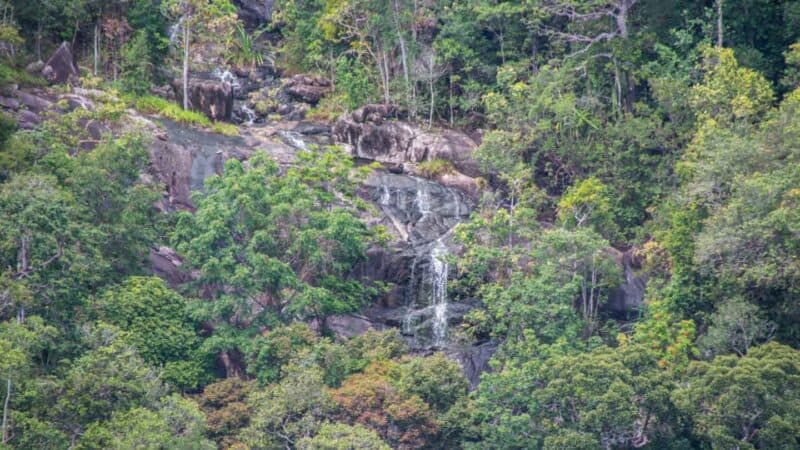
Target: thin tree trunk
(403, 53)
(5, 410)
(430, 84)
(387, 98)
(502, 48)
(450, 101)
(186, 64)
(20, 320)
(96, 46)
(618, 88)
(39, 32)
(75, 35)
(719, 23)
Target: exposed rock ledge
(379, 133)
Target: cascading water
(249, 116)
(175, 31)
(423, 200)
(386, 196)
(293, 139)
(422, 214)
(226, 76)
(439, 274)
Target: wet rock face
(420, 214)
(474, 359)
(416, 210)
(60, 68)
(377, 132)
(211, 97)
(182, 158)
(628, 297)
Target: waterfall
(439, 274)
(175, 31)
(250, 115)
(293, 139)
(226, 76)
(386, 196)
(408, 320)
(423, 200)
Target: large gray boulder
(255, 13)
(626, 299)
(308, 88)
(378, 133)
(211, 97)
(347, 326)
(166, 264)
(60, 68)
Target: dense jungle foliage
(666, 129)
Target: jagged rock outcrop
(166, 264)
(60, 68)
(182, 158)
(308, 88)
(211, 97)
(255, 13)
(346, 326)
(474, 360)
(628, 297)
(377, 132)
(35, 67)
(34, 101)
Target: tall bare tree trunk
(96, 46)
(39, 31)
(186, 36)
(383, 69)
(450, 100)
(20, 320)
(430, 84)
(719, 24)
(5, 410)
(403, 52)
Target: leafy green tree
(588, 202)
(137, 66)
(41, 241)
(736, 326)
(608, 397)
(339, 436)
(109, 378)
(747, 402)
(729, 92)
(288, 411)
(275, 247)
(435, 379)
(353, 81)
(19, 343)
(157, 320)
(277, 348)
(176, 423)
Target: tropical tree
(745, 402)
(200, 21)
(274, 246)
